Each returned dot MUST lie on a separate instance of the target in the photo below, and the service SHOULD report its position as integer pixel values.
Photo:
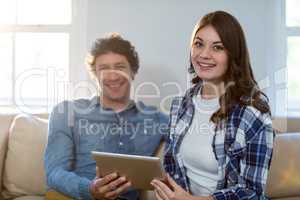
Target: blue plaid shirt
(242, 146)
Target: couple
(219, 137)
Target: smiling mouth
(114, 85)
(206, 66)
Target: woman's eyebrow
(217, 42)
(198, 38)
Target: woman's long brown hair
(243, 89)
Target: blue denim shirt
(78, 127)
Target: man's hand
(172, 191)
(109, 186)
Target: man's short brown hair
(116, 44)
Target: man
(109, 122)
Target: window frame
(290, 31)
(77, 45)
(277, 54)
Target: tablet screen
(140, 170)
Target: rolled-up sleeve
(59, 156)
(254, 165)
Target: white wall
(161, 31)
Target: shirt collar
(95, 101)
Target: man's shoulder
(75, 105)
(141, 106)
(151, 111)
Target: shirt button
(121, 143)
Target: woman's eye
(198, 44)
(218, 48)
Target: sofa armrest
(283, 178)
(53, 195)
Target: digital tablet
(140, 170)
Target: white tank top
(196, 148)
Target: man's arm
(59, 157)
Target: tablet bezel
(140, 170)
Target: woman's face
(208, 55)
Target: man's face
(114, 75)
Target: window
(292, 26)
(36, 51)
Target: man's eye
(100, 68)
(121, 67)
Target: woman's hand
(164, 192)
(173, 191)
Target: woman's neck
(212, 90)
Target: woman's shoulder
(250, 114)
(250, 120)
(176, 100)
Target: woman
(221, 139)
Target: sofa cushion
(283, 180)
(24, 165)
(287, 198)
(5, 121)
(284, 125)
(30, 198)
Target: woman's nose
(205, 53)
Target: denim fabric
(78, 127)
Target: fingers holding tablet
(116, 191)
(109, 186)
(130, 166)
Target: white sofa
(23, 138)
(22, 142)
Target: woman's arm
(254, 165)
(172, 191)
